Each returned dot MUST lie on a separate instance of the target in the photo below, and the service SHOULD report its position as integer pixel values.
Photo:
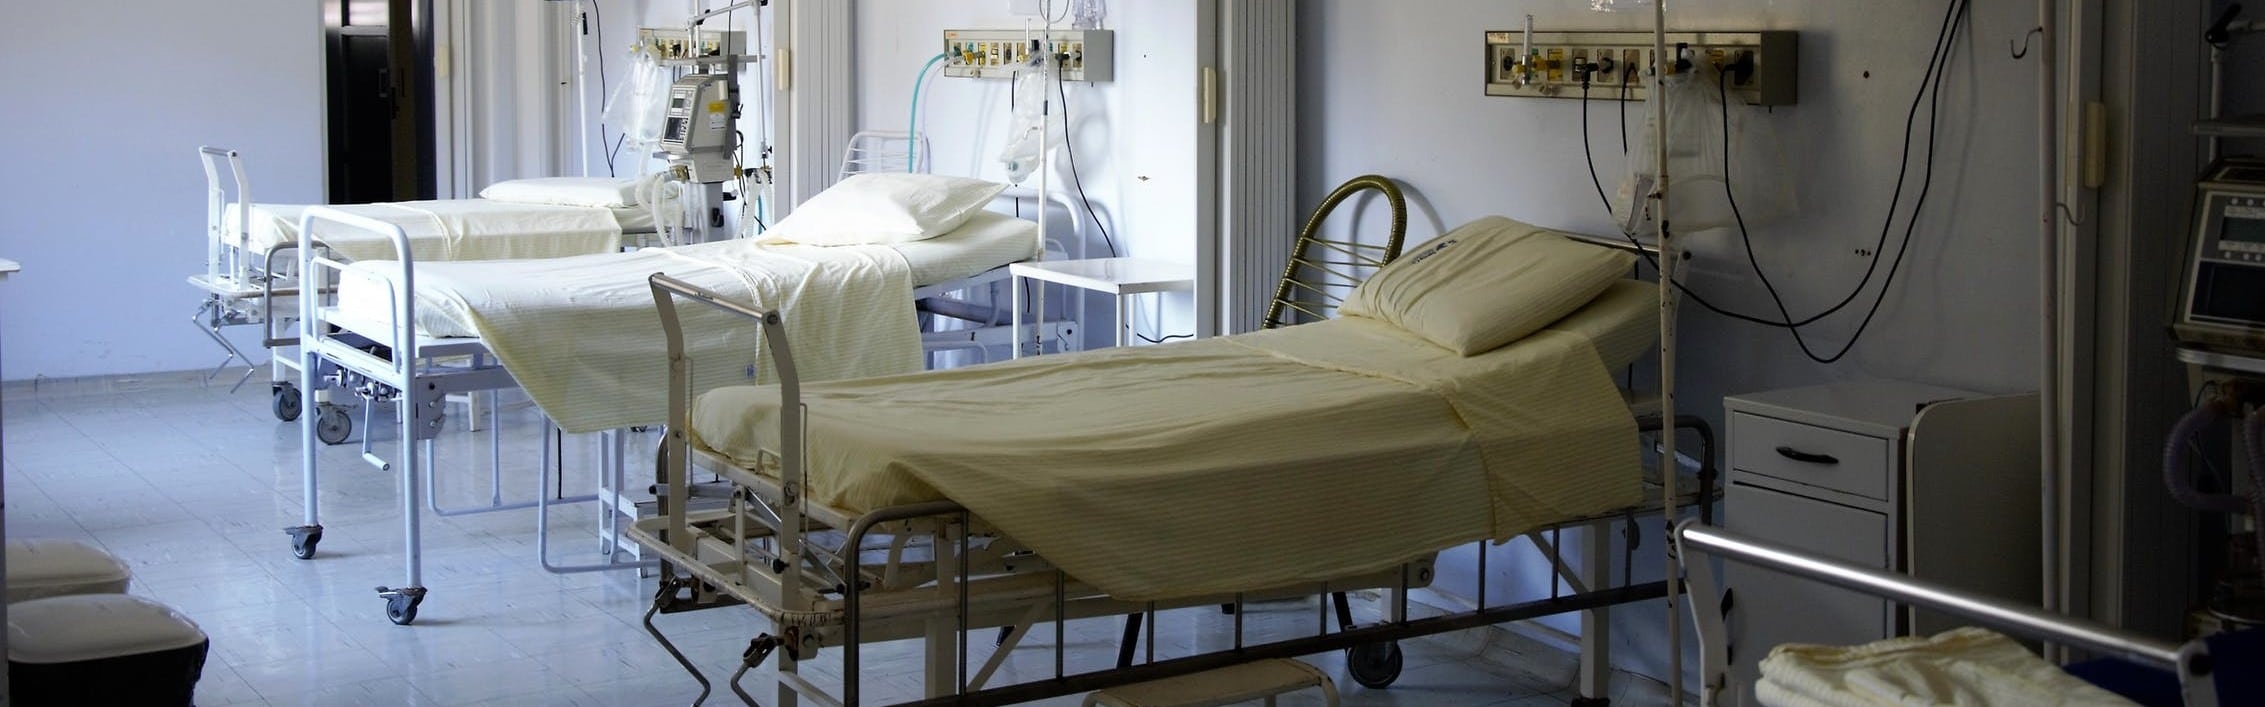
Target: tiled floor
(191, 486)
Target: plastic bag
(1034, 130)
(637, 107)
(1699, 196)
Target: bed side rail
(676, 449)
(2190, 662)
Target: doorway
(378, 68)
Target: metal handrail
(665, 291)
(1692, 537)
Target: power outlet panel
(675, 43)
(1085, 54)
(1761, 66)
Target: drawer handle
(1807, 458)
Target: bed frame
(417, 375)
(2190, 663)
(942, 574)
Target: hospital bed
(1124, 482)
(1966, 665)
(249, 277)
(578, 335)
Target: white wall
(1133, 138)
(1395, 91)
(107, 201)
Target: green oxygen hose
(912, 128)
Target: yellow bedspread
(1227, 464)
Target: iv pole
(1669, 463)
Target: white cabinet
(1929, 481)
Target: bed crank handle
(1806, 457)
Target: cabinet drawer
(1807, 454)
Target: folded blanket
(1968, 667)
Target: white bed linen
(457, 229)
(1966, 667)
(1219, 465)
(986, 242)
(582, 337)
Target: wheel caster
(401, 604)
(303, 540)
(287, 402)
(1374, 665)
(332, 424)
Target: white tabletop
(1119, 276)
(8, 267)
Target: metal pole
(1661, 63)
(2049, 390)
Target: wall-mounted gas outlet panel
(1759, 65)
(674, 43)
(1085, 54)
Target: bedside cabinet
(1934, 482)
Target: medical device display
(1083, 55)
(1760, 65)
(699, 133)
(2224, 301)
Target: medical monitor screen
(2228, 292)
(2243, 230)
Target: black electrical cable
(1070, 150)
(599, 18)
(1926, 185)
(1930, 82)
(1937, 66)
(1590, 155)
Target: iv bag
(637, 106)
(1698, 195)
(1032, 133)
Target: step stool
(53, 567)
(1263, 679)
(102, 649)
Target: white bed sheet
(987, 241)
(467, 229)
(1159, 472)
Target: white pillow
(885, 208)
(595, 192)
(1486, 284)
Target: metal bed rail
(418, 376)
(1693, 538)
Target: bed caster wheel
(401, 604)
(332, 425)
(303, 540)
(287, 402)
(1374, 665)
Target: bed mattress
(988, 241)
(459, 229)
(1158, 472)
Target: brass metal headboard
(1319, 265)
